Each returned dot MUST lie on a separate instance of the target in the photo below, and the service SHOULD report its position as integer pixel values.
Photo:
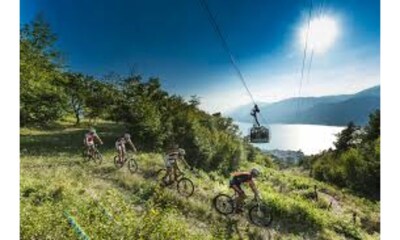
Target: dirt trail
(334, 204)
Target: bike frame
(246, 203)
(92, 150)
(127, 156)
(180, 173)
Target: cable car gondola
(258, 133)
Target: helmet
(92, 130)
(254, 172)
(182, 152)
(127, 136)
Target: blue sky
(175, 41)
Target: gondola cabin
(259, 134)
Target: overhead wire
(322, 8)
(232, 60)
(320, 15)
(309, 65)
(226, 47)
(304, 56)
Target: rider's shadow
(232, 229)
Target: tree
(373, 129)
(194, 101)
(355, 164)
(156, 120)
(346, 138)
(100, 99)
(76, 88)
(42, 99)
(371, 151)
(140, 106)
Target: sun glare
(322, 33)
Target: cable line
(226, 47)
(322, 8)
(320, 15)
(229, 52)
(309, 65)
(304, 56)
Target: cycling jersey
(89, 137)
(120, 143)
(171, 157)
(241, 177)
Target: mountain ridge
(325, 110)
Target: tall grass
(115, 204)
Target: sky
(174, 40)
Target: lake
(310, 139)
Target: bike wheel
(132, 165)
(97, 158)
(85, 155)
(185, 187)
(117, 163)
(223, 204)
(260, 215)
(160, 174)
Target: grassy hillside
(113, 204)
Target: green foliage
(48, 93)
(156, 224)
(76, 88)
(346, 138)
(154, 118)
(42, 98)
(255, 155)
(373, 129)
(139, 107)
(100, 99)
(355, 164)
(100, 209)
(157, 120)
(115, 204)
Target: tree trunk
(78, 119)
(315, 192)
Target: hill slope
(327, 110)
(114, 204)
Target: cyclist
(120, 146)
(243, 177)
(174, 154)
(89, 140)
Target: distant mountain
(328, 110)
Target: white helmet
(254, 172)
(182, 151)
(127, 136)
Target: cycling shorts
(120, 147)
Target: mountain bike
(184, 185)
(132, 164)
(92, 154)
(259, 213)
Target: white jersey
(171, 157)
(121, 141)
(89, 138)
